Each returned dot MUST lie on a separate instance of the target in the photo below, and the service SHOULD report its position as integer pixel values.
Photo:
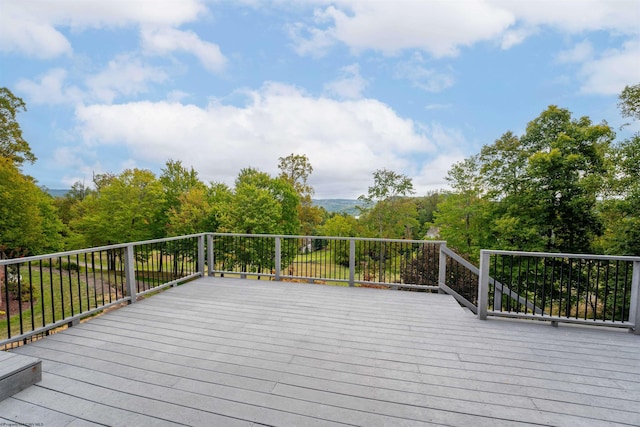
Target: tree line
(565, 185)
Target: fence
(58, 290)
(335, 260)
(46, 292)
(587, 289)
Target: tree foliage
(630, 102)
(12, 144)
(296, 169)
(126, 209)
(387, 210)
(538, 192)
(29, 224)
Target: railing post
(278, 259)
(201, 255)
(352, 262)
(483, 285)
(442, 268)
(634, 309)
(210, 256)
(130, 272)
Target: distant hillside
(338, 205)
(57, 192)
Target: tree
(124, 210)
(340, 225)
(296, 169)
(630, 102)
(545, 184)
(462, 217)
(12, 144)
(28, 222)
(191, 214)
(387, 210)
(621, 209)
(262, 205)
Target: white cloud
(572, 17)
(345, 140)
(450, 145)
(513, 37)
(125, 75)
(26, 34)
(31, 27)
(613, 70)
(439, 28)
(427, 79)
(167, 40)
(349, 86)
(51, 89)
(579, 53)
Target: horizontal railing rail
(559, 287)
(47, 292)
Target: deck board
(246, 352)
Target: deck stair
(17, 372)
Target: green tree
(340, 225)
(12, 144)
(191, 214)
(545, 184)
(621, 207)
(296, 169)
(262, 205)
(387, 210)
(630, 102)
(177, 181)
(28, 221)
(124, 210)
(463, 216)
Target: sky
(355, 85)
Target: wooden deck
(231, 352)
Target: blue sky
(356, 85)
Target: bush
(18, 289)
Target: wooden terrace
(232, 352)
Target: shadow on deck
(245, 352)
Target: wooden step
(17, 372)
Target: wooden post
(130, 272)
(483, 285)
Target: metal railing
(46, 292)
(587, 289)
(459, 278)
(333, 260)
